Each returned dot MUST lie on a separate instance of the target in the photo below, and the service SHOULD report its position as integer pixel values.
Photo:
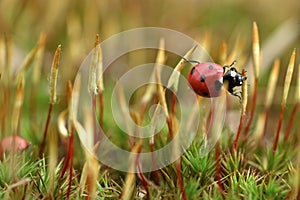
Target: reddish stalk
(218, 167)
(169, 122)
(291, 120)
(141, 175)
(278, 128)
(71, 152)
(173, 105)
(143, 108)
(180, 182)
(153, 161)
(101, 111)
(238, 133)
(254, 97)
(287, 82)
(46, 130)
(65, 167)
(178, 162)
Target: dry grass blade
(70, 105)
(162, 98)
(100, 84)
(37, 63)
(61, 123)
(150, 90)
(8, 57)
(287, 82)
(288, 77)
(205, 42)
(24, 181)
(75, 96)
(272, 83)
(244, 93)
(123, 105)
(130, 177)
(160, 60)
(263, 118)
(295, 109)
(95, 68)
(53, 75)
(93, 168)
(223, 53)
(86, 133)
(256, 50)
(27, 61)
(237, 51)
(2, 54)
(173, 80)
(19, 99)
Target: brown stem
(169, 122)
(254, 97)
(141, 175)
(153, 161)
(179, 179)
(101, 111)
(291, 120)
(238, 133)
(46, 130)
(278, 128)
(65, 167)
(218, 167)
(173, 105)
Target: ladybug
(207, 79)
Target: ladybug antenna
(233, 63)
(227, 66)
(191, 61)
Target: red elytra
(206, 79)
(7, 143)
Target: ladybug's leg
(191, 61)
(229, 66)
(238, 94)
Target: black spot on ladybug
(210, 67)
(202, 78)
(205, 94)
(218, 85)
(193, 70)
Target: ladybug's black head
(233, 78)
